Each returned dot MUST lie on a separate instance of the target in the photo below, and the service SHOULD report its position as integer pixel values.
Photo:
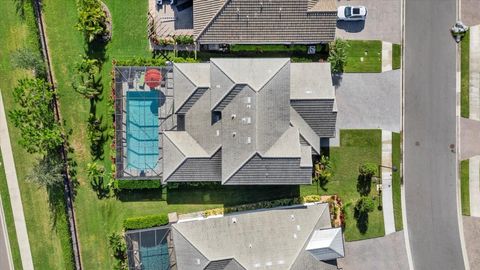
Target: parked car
(352, 13)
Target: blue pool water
(155, 258)
(142, 129)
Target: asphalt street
(430, 170)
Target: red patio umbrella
(153, 77)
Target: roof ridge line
(186, 239)
(309, 237)
(240, 166)
(275, 74)
(213, 18)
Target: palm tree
(87, 80)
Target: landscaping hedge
(138, 184)
(145, 222)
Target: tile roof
(267, 21)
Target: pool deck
(166, 122)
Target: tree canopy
(338, 55)
(34, 116)
(92, 20)
(87, 80)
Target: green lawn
(47, 231)
(356, 147)
(396, 56)
(7, 208)
(464, 187)
(465, 76)
(364, 56)
(396, 182)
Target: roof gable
(252, 71)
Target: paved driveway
(369, 101)
(386, 252)
(470, 10)
(383, 21)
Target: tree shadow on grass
(362, 220)
(228, 195)
(97, 49)
(101, 189)
(364, 185)
(142, 195)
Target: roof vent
(234, 134)
(298, 228)
(250, 245)
(234, 220)
(292, 217)
(249, 140)
(294, 236)
(234, 116)
(268, 263)
(198, 261)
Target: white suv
(352, 13)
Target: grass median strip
(464, 187)
(465, 76)
(396, 184)
(396, 56)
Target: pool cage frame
(132, 78)
(134, 241)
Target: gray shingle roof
(268, 21)
(255, 132)
(265, 239)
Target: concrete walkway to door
(14, 191)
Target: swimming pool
(142, 129)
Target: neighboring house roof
(326, 244)
(267, 21)
(258, 131)
(263, 239)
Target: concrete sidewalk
(14, 191)
(387, 196)
(6, 261)
(474, 82)
(474, 186)
(387, 56)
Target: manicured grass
(465, 75)
(396, 56)
(48, 231)
(464, 187)
(7, 209)
(356, 148)
(364, 56)
(396, 182)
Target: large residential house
(290, 238)
(214, 22)
(264, 21)
(248, 121)
(235, 121)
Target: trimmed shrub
(368, 169)
(184, 39)
(145, 222)
(138, 184)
